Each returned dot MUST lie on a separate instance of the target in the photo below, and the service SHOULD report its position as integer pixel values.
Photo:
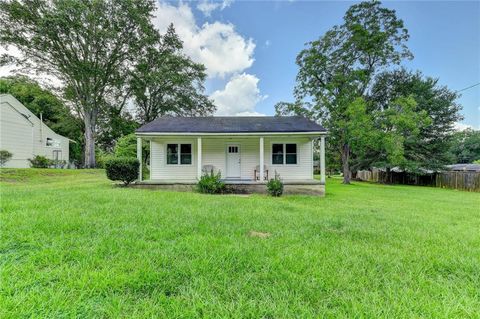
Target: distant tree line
(117, 71)
(378, 113)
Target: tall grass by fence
(467, 181)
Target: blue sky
(444, 38)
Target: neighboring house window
(179, 154)
(284, 154)
(52, 142)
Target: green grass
(72, 245)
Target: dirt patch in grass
(258, 234)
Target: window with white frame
(284, 154)
(179, 154)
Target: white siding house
(24, 135)
(237, 165)
(242, 149)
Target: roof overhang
(158, 134)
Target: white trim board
(259, 134)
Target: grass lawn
(71, 245)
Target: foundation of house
(297, 187)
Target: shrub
(5, 156)
(275, 186)
(123, 169)
(210, 183)
(40, 161)
(126, 146)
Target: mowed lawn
(73, 245)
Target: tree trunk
(388, 172)
(345, 164)
(89, 142)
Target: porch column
(139, 157)
(322, 159)
(261, 160)
(199, 157)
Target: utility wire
(471, 86)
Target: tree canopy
(465, 146)
(430, 147)
(105, 52)
(88, 45)
(339, 67)
(166, 81)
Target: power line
(471, 86)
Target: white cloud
(239, 97)
(224, 52)
(458, 126)
(267, 43)
(216, 45)
(207, 6)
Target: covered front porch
(241, 160)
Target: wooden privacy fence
(467, 181)
(368, 176)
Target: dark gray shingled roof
(231, 124)
(465, 167)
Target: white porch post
(322, 159)
(262, 173)
(199, 157)
(139, 157)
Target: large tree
(339, 67)
(90, 45)
(166, 81)
(430, 149)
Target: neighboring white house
(24, 135)
(243, 149)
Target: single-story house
(24, 135)
(245, 150)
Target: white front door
(233, 161)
